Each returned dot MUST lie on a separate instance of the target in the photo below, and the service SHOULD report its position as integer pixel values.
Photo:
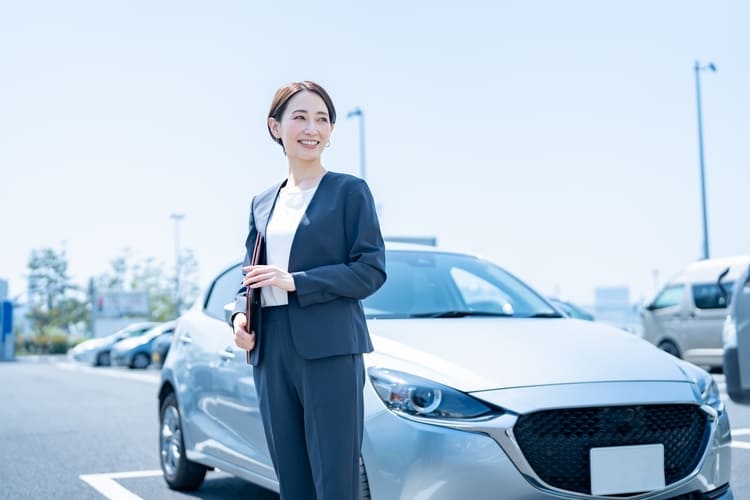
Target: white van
(687, 316)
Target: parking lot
(73, 431)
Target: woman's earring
(328, 144)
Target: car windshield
(440, 285)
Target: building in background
(612, 305)
(114, 310)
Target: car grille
(556, 443)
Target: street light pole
(177, 218)
(698, 68)
(360, 114)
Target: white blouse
(286, 216)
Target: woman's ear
(274, 127)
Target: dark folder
(252, 310)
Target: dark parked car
(571, 310)
(136, 352)
(160, 348)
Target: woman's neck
(304, 175)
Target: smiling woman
(323, 253)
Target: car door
(234, 406)
(742, 322)
(664, 319)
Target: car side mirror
(228, 310)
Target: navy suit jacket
(337, 259)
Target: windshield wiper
(545, 315)
(458, 314)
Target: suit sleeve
(240, 299)
(364, 271)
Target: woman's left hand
(258, 276)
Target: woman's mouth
(309, 143)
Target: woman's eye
(299, 117)
(323, 119)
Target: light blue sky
(556, 138)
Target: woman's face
(305, 126)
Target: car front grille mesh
(556, 443)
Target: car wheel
(140, 361)
(179, 472)
(364, 485)
(102, 359)
(670, 347)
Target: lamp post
(360, 114)
(698, 68)
(177, 218)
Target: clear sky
(558, 139)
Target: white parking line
(745, 445)
(107, 486)
(151, 378)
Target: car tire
(670, 347)
(180, 473)
(364, 485)
(103, 359)
(140, 361)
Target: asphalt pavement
(69, 431)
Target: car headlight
(407, 395)
(729, 332)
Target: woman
(323, 254)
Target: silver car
(736, 337)
(97, 352)
(478, 388)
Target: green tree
(54, 298)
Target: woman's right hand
(242, 338)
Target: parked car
(97, 351)
(135, 352)
(571, 310)
(160, 348)
(687, 316)
(478, 388)
(736, 336)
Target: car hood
(473, 354)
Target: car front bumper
(407, 459)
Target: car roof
(708, 270)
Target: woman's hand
(258, 276)
(242, 338)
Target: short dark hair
(286, 92)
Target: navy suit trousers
(312, 411)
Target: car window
(669, 297)
(222, 291)
(421, 283)
(709, 296)
(477, 292)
